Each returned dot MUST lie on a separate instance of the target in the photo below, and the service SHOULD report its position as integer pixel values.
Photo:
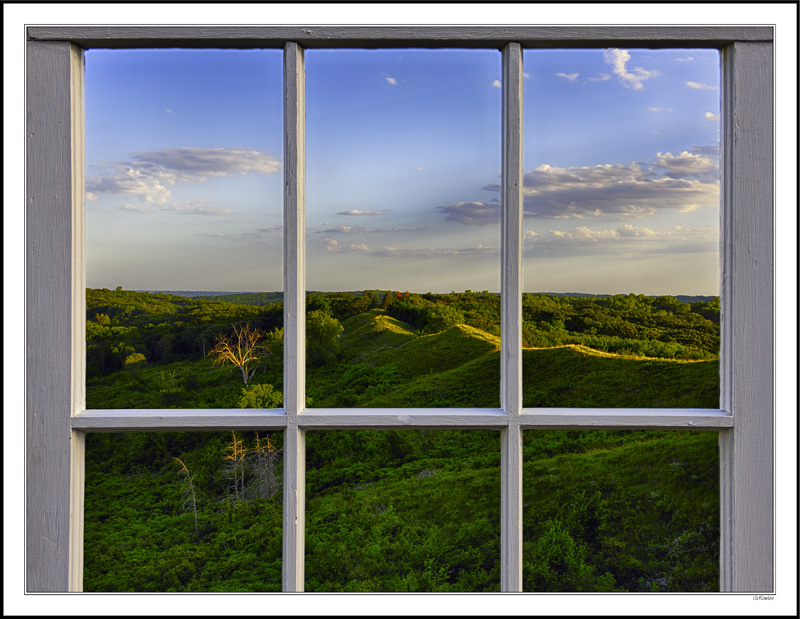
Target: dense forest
(401, 510)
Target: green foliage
(260, 396)
(134, 359)
(322, 333)
(405, 510)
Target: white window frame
(56, 419)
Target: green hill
(412, 510)
(460, 367)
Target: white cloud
(630, 78)
(568, 76)
(526, 75)
(391, 80)
(687, 59)
(211, 161)
(712, 116)
(497, 84)
(659, 109)
(357, 213)
(149, 175)
(700, 86)
(602, 77)
(688, 165)
(681, 182)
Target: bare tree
(234, 469)
(188, 491)
(266, 458)
(244, 349)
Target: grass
(416, 510)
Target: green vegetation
(403, 510)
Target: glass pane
(179, 511)
(402, 145)
(401, 511)
(184, 208)
(621, 228)
(620, 511)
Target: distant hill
(683, 298)
(193, 293)
(267, 298)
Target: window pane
(621, 228)
(403, 511)
(184, 205)
(180, 511)
(402, 147)
(620, 511)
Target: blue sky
(184, 170)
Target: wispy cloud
(626, 242)
(196, 207)
(700, 86)
(602, 77)
(149, 175)
(333, 246)
(259, 234)
(568, 76)
(712, 116)
(358, 213)
(364, 230)
(472, 213)
(659, 109)
(631, 78)
(686, 59)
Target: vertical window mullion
(54, 316)
(294, 316)
(747, 302)
(511, 327)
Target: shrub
(260, 396)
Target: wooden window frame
(56, 420)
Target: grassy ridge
(412, 510)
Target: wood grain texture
(401, 36)
(135, 420)
(628, 419)
(402, 418)
(77, 314)
(511, 509)
(747, 354)
(50, 252)
(511, 251)
(294, 181)
(294, 175)
(294, 509)
(511, 323)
